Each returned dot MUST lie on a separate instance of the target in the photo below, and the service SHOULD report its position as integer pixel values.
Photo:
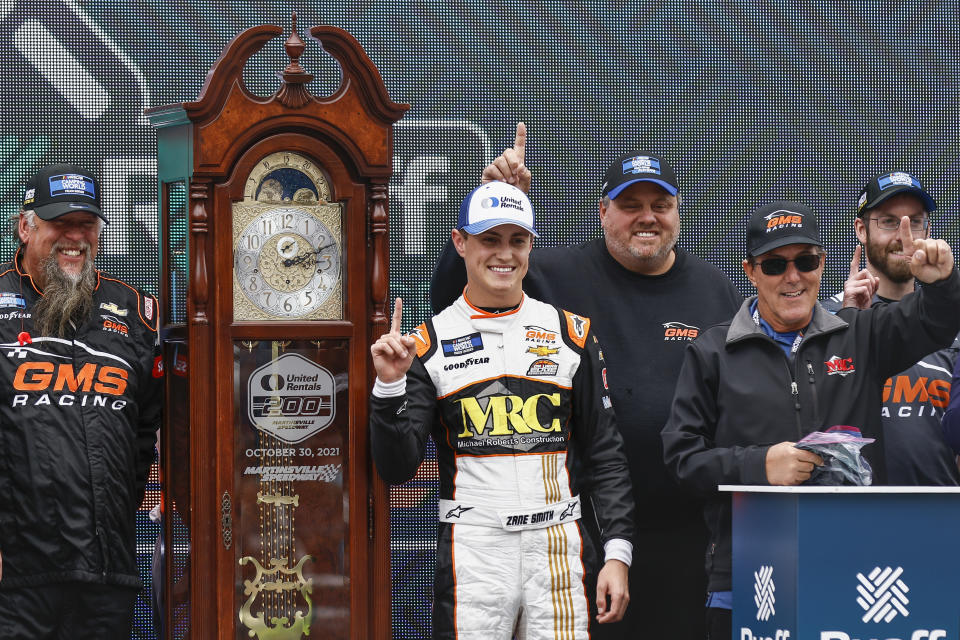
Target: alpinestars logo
(882, 594)
(418, 334)
(763, 589)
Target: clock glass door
(291, 504)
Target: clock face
(287, 262)
(287, 244)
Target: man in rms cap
(514, 394)
(647, 298)
(80, 402)
(784, 367)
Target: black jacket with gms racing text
(78, 418)
(738, 393)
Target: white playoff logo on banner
(882, 594)
(763, 589)
(291, 398)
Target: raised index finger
(520, 141)
(906, 235)
(397, 313)
(855, 261)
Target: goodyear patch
(9, 299)
(462, 346)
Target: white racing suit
(526, 442)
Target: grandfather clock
(274, 260)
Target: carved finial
(295, 48)
(294, 93)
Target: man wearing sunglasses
(785, 367)
(914, 399)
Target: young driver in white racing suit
(514, 393)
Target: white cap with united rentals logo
(493, 204)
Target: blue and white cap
(889, 184)
(493, 204)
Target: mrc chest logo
(44, 378)
(499, 416)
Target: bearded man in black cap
(785, 367)
(914, 399)
(80, 401)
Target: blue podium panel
(846, 563)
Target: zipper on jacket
(795, 392)
(813, 391)
(103, 550)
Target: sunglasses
(776, 266)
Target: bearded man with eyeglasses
(784, 367)
(914, 400)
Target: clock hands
(303, 257)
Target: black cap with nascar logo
(61, 189)
(890, 184)
(637, 167)
(781, 223)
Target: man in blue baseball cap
(514, 394)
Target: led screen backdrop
(750, 101)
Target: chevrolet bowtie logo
(457, 511)
(542, 351)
